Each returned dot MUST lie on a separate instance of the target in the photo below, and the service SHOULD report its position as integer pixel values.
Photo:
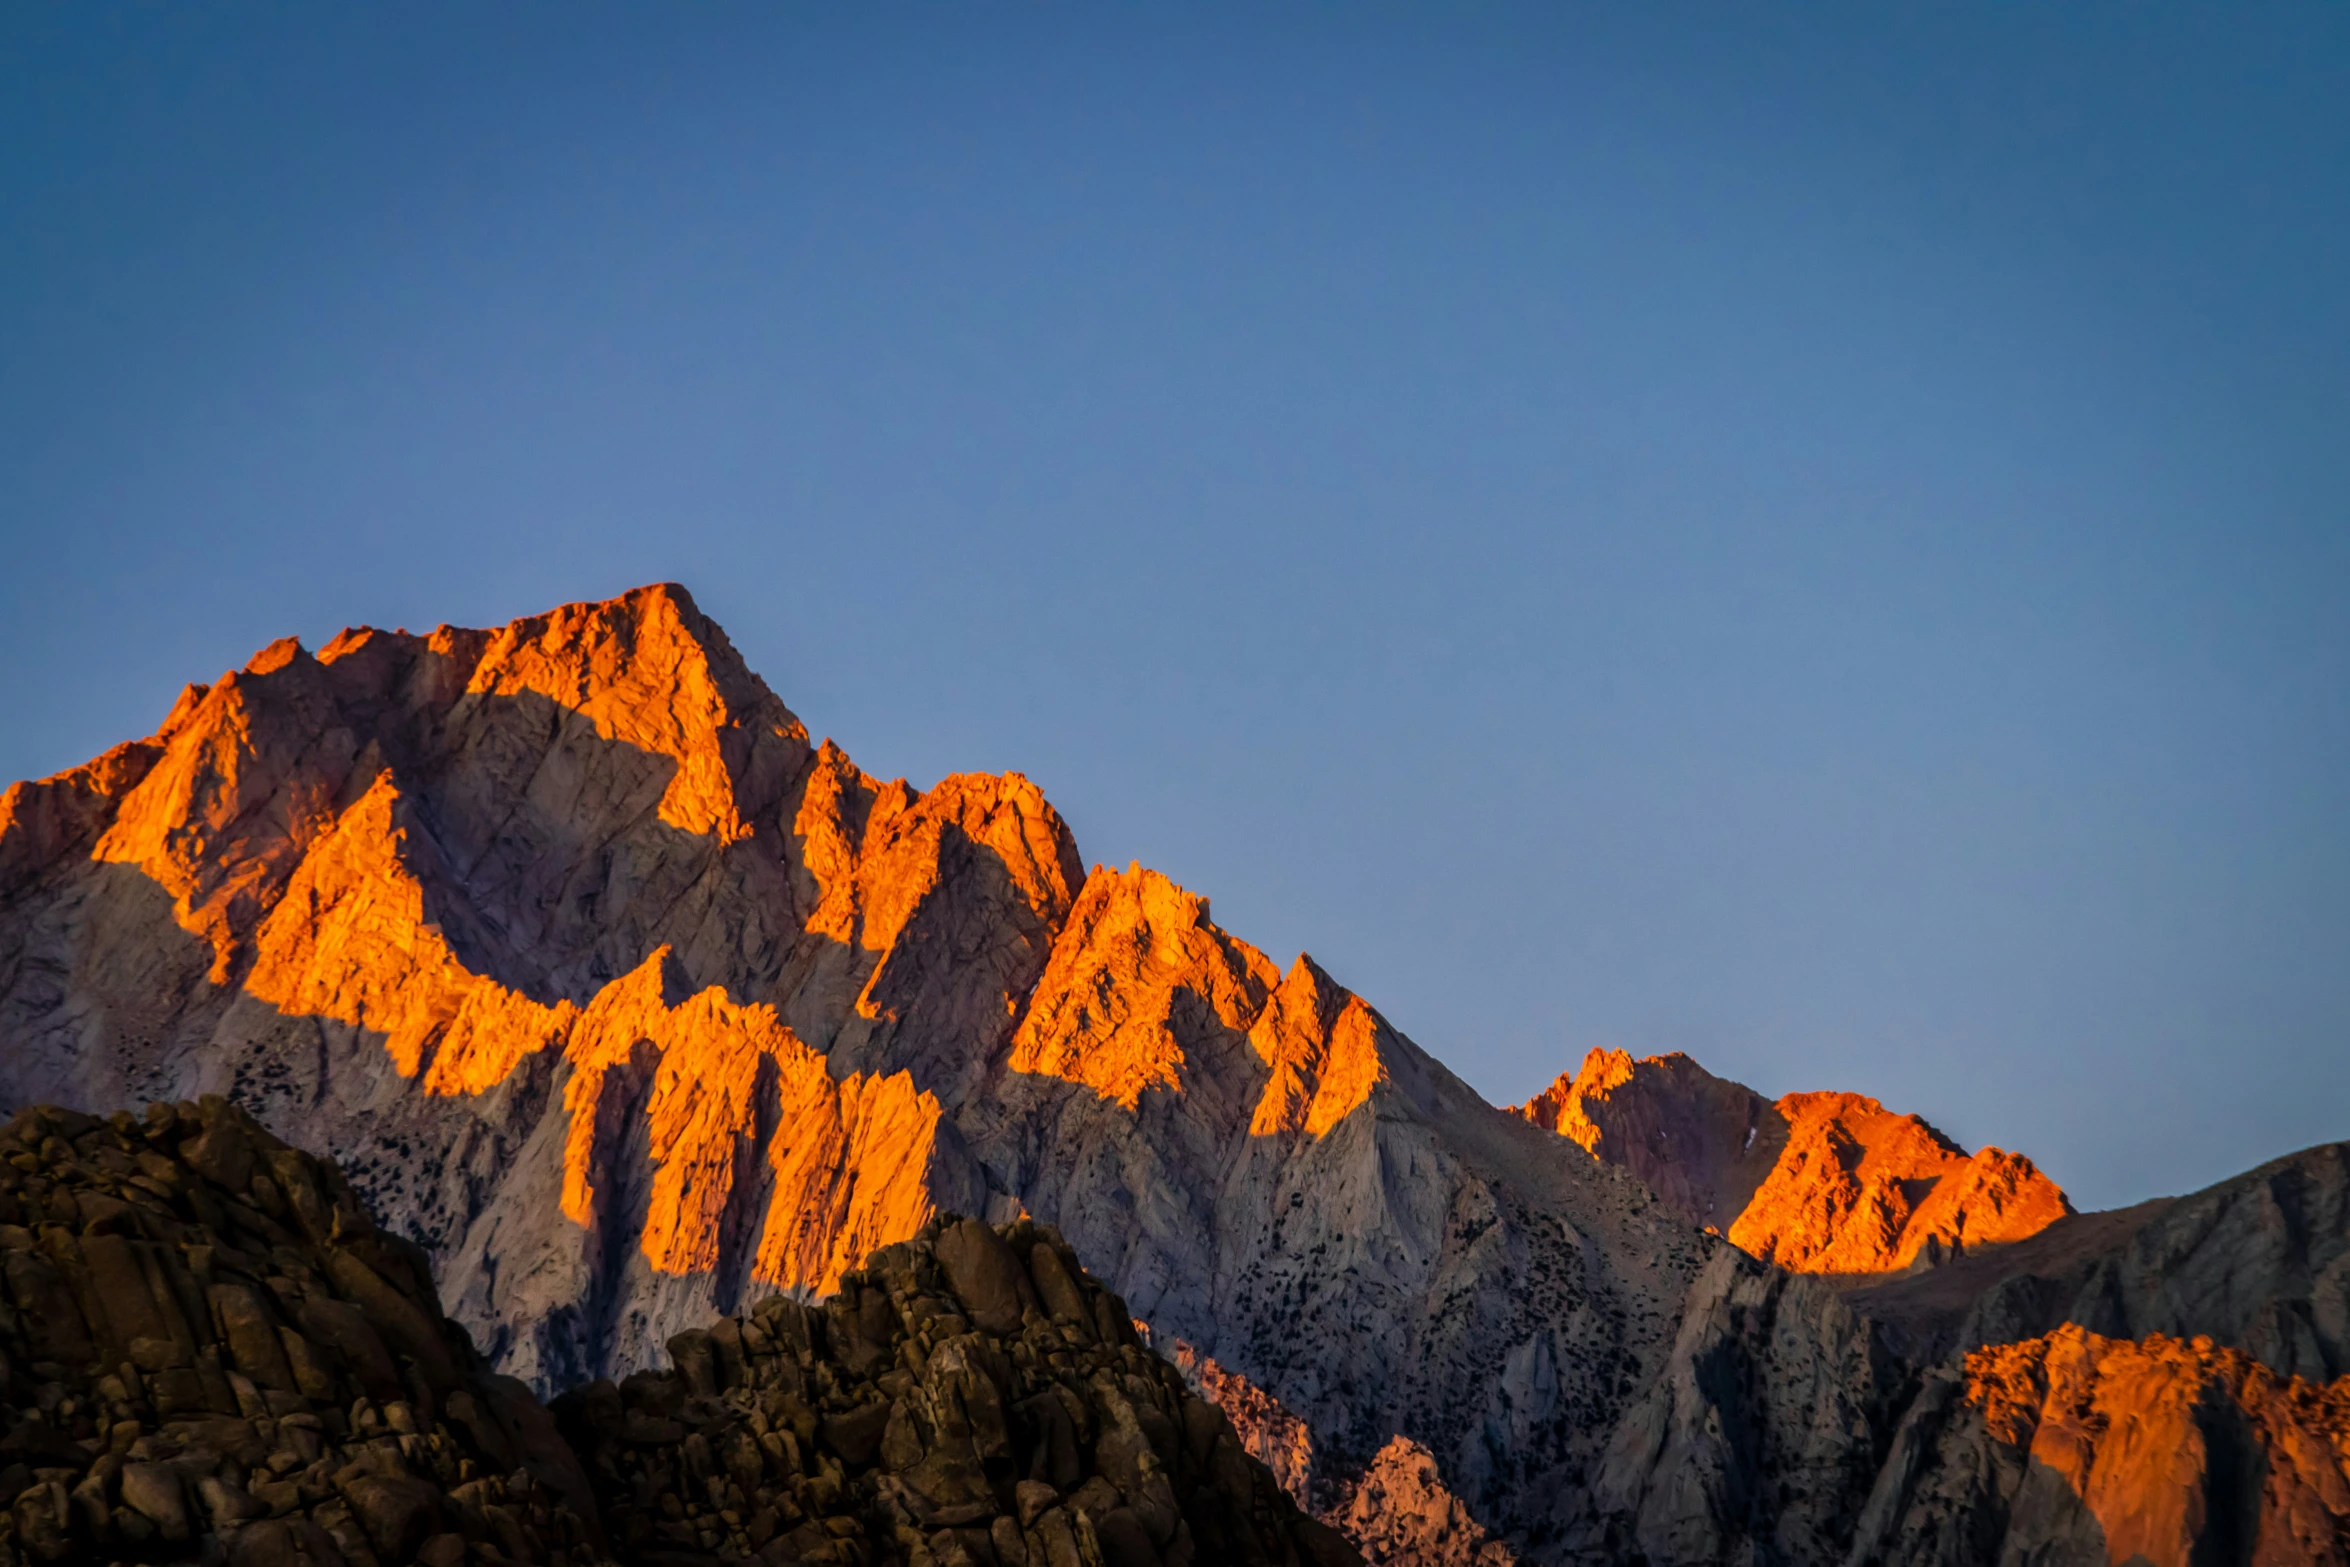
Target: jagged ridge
(1818, 1182)
(633, 1005)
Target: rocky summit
(1817, 1182)
(635, 1009)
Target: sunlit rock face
(631, 1005)
(2075, 1447)
(1818, 1182)
(547, 933)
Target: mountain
(630, 1005)
(1817, 1182)
(634, 1007)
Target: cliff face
(632, 1005)
(1818, 1182)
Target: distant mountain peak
(1817, 1182)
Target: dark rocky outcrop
(210, 1352)
(969, 1398)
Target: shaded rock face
(210, 1351)
(1818, 1182)
(968, 1397)
(632, 1006)
(1761, 1439)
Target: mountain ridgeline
(635, 1009)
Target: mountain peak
(1821, 1182)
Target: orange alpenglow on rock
(1323, 1045)
(1270, 1433)
(1136, 950)
(461, 845)
(632, 1006)
(349, 940)
(1840, 1198)
(2077, 1447)
(1818, 1182)
(587, 862)
(1400, 1513)
(1135, 945)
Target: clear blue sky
(1816, 537)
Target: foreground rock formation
(211, 1351)
(1818, 1182)
(968, 1397)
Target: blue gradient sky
(1821, 541)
